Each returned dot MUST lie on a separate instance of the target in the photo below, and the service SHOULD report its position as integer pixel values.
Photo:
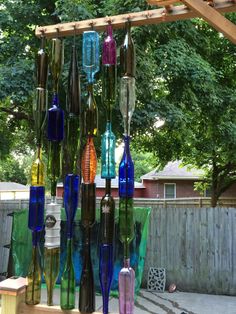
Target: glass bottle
(108, 170)
(38, 170)
(42, 65)
(52, 248)
(56, 61)
(127, 101)
(51, 270)
(40, 108)
(71, 195)
(89, 161)
(127, 54)
(67, 300)
(87, 290)
(73, 89)
(54, 165)
(90, 114)
(33, 290)
(126, 222)
(55, 129)
(107, 216)
(36, 208)
(106, 273)
(126, 288)
(126, 172)
(90, 54)
(88, 204)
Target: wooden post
(12, 291)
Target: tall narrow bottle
(107, 221)
(126, 173)
(33, 290)
(71, 195)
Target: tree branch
(18, 115)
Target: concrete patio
(169, 303)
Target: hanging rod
(179, 12)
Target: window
(170, 190)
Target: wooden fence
(196, 245)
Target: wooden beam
(218, 21)
(157, 16)
(161, 2)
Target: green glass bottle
(54, 165)
(56, 61)
(68, 281)
(33, 290)
(90, 114)
(126, 223)
(51, 260)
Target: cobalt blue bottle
(55, 131)
(36, 208)
(126, 172)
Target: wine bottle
(90, 54)
(73, 87)
(52, 248)
(128, 54)
(89, 162)
(36, 208)
(71, 195)
(107, 216)
(38, 170)
(90, 115)
(126, 289)
(88, 204)
(108, 170)
(40, 103)
(127, 101)
(33, 289)
(109, 70)
(126, 172)
(67, 300)
(56, 62)
(87, 290)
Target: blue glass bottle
(36, 208)
(106, 273)
(126, 172)
(55, 130)
(108, 154)
(71, 195)
(90, 54)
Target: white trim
(165, 189)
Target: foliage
(12, 171)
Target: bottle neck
(90, 88)
(126, 262)
(108, 186)
(127, 145)
(55, 100)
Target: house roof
(100, 183)
(174, 170)
(12, 186)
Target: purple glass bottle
(126, 288)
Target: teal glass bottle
(108, 170)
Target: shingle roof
(174, 170)
(100, 183)
(13, 186)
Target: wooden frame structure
(172, 10)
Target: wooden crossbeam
(180, 12)
(218, 21)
